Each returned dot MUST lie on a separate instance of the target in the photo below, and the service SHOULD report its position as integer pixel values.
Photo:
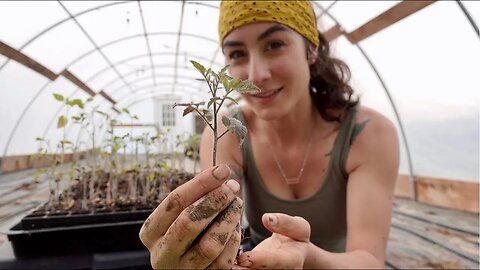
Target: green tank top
(325, 210)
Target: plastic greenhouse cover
(424, 66)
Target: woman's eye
(235, 55)
(275, 45)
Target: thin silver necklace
(294, 180)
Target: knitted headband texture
(298, 15)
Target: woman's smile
(267, 94)
(265, 97)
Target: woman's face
(273, 57)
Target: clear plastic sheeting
(473, 9)
(420, 71)
(434, 83)
(22, 28)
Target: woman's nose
(258, 71)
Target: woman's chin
(269, 114)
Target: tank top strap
(341, 147)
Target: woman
(317, 169)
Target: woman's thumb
(294, 227)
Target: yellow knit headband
(298, 15)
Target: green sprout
(217, 81)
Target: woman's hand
(287, 247)
(197, 225)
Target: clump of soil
(128, 191)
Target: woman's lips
(267, 94)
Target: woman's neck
(294, 128)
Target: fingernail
(272, 219)
(233, 185)
(221, 172)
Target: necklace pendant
(292, 181)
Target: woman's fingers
(195, 218)
(260, 259)
(163, 216)
(296, 227)
(226, 259)
(219, 245)
(285, 249)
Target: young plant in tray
(216, 82)
(65, 144)
(192, 147)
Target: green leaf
(76, 118)
(36, 175)
(151, 178)
(65, 142)
(58, 97)
(208, 115)
(199, 104)
(198, 66)
(231, 99)
(210, 71)
(116, 147)
(125, 110)
(100, 112)
(225, 121)
(212, 100)
(243, 86)
(62, 121)
(224, 69)
(77, 102)
(225, 83)
(234, 125)
(90, 99)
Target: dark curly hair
(329, 86)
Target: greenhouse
(104, 104)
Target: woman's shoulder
(376, 128)
(376, 140)
(377, 120)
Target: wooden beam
(452, 194)
(387, 18)
(107, 97)
(68, 75)
(448, 193)
(23, 59)
(333, 33)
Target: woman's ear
(312, 54)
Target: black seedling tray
(76, 234)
